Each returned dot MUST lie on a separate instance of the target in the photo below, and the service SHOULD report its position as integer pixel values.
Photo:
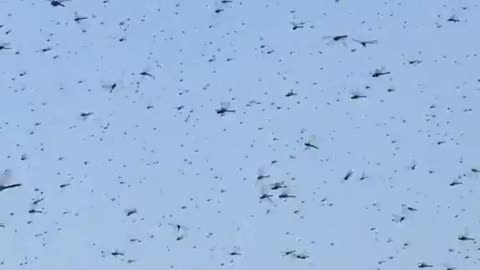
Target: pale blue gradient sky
(193, 167)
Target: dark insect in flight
(366, 42)
(224, 108)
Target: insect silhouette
(364, 43)
(311, 143)
(57, 3)
(224, 108)
(110, 87)
(5, 178)
(5, 46)
(380, 72)
(261, 174)
(335, 39)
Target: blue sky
(156, 143)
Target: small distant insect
(5, 178)
(5, 46)
(466, 237)
(424, 265)
(85, 115)
(290, 93)
(455, 183)
(264, 195)
(110, 87)
(235, 252)
(348, 175)
(146, 72)
(57, 3)
(296, 26)
(311, 143)
(335, 39)
(366, 42)
(224, 108)
(379, 72)
(357, 95)
(286, 194)
(261, 174)
(130, 212)
(180, 229)
(79, 18)
(277, 185)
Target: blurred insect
(357, 95)
(466, 236)
(58, 3)
(364, 43)
(286, 194)
(147, 72)
(110, 87)
(264, 195)
(235, 252)
(130, 212)
(335, 39)
(277, 185)
(5, 46)
(224, 108)
(85, 115)
(311, 143)
(5, 178)
(296, 26)
(379, 72)
(180, 229)
(261, 174)
(79, 18)
(348, 175)
(405, 212)
(424, 265)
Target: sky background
(156, 143)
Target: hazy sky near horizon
(109, 119)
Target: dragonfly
(5, 178)
(5, 46)
(57, 3)
(379, 72)
(286, 194)
(261, 174)
(311, 143)
(364, 43)
(357, 95)
(264, 195)
(224, 108)
(335, 39)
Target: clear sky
(364, 112)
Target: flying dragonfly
(224, 108)
(261, 174)
(235, 252)
(277, 185)
(357, 95)
(264, 195)
(181, 230)
(5, 178)
(5, 46)
(364, 43)
(296, 26)
(348, 175)
(79, 18)
(466, 237)
(286, 194)
(57, 3)
(110, 87)
(379, 72)
(311, 143)
(335, 39)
